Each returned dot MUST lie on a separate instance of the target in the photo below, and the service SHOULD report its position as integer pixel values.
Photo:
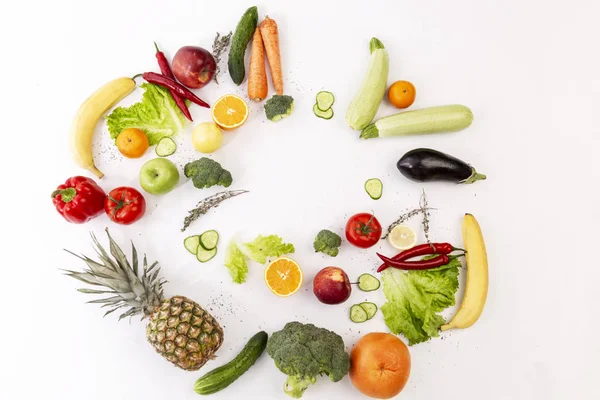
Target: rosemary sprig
(424, 207)
(219, 46)
(206, 204)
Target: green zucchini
(243, 33)
(322, 114)
(218, 379)
(450, 118)
(365, 103)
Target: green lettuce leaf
(266, 246)
(414, 299)
(236, 263)
(156, 115)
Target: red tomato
(125, 205)
(363, 230)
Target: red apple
(194, 66)
(332, 286)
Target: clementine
(132, 143)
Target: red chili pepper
(435, 262)
(169, 83)
(421, 250)
(79, 199)
(163, 63)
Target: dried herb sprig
(424, 207)
(206, 204)
(220, 44)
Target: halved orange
(283, 276)
(230, 112)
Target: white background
(527, 69)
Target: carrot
(258, 86)
(270, 35)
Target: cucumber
(191, 243)
(368, 283)
(358, 314)
(374, 188)
(323, 114)
(209, 239)
(204, 255)
(439, 119)
(165, 147)
(219, 378)
(325, 100)
(370, 308)
(243, 33)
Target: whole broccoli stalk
(328, 242)
(206, 173)
(303, 352)
(278, 107)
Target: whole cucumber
(219, 378)
(242, 36)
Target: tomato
(402, 94)
(363, 230)
(132, 143)
(125, 205)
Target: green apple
(159, 176)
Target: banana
(84, 123)
(477, 277)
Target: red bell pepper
(79, 199)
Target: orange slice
(283, 276)
(230, 112)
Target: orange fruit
(132, 143)
(402, 94)
(230, 112)
(283, 276)
(379, 365)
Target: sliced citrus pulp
(283, 276)
(403, 237)
(230, 112)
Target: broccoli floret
(303, 352)
(328, 242)
(278, 107)
(206, 173)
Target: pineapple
(178, 328)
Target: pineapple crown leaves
(128, 289)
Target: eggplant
(427, 165)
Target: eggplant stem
(475, 176)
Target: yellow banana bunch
(84, 123)
(477, 277)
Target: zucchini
(191, 243)
(204, 255)
(450, 118)
(368, 283)
(374, 188)
(209, 239)
(370, 308)
(325, 100)
(358, 314)
(219, 378)
(243, 33)
(165, 147)
(365, 103)
(322, 114)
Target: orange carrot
(270, 35)
(258, 86)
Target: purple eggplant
(427, 165)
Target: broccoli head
(278, 107)
(303, 352)
(328, 242)
(206, 173)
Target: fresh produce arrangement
(419, 279)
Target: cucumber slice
(325, 100)
(323, 114)
(209, 239)
(204, 255)
(374, 188)
(191, 243)
(368, 283)
(358, 314)
(165, 147)
(370, 308)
